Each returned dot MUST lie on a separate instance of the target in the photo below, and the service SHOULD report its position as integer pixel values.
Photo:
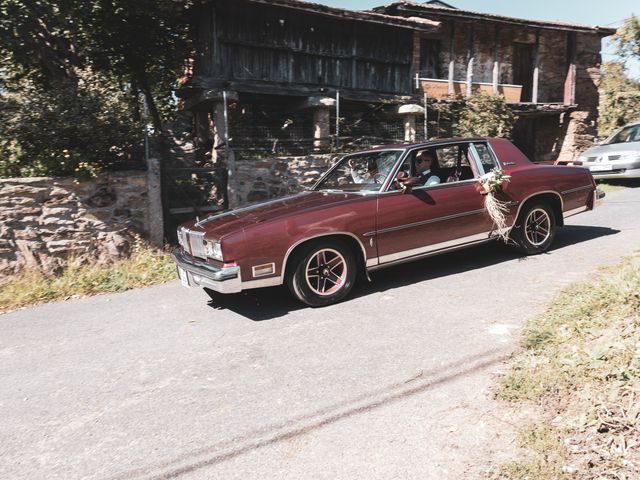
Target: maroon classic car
(377, 208)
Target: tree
(619, 98)
(74, 70)
(619, 94)
(627, 38)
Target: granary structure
(297, 56)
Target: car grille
(592, 159)
(196, 244)
(192, 242)
(614, 157)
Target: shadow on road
(423, 381)
(270, 303)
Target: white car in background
(617, 157)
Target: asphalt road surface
(164, 383)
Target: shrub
(486, 115)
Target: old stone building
(294, 56)
(548, 71)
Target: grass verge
(145, 266)
(580, 365)
(609, 186)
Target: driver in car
(426, 168)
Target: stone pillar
(321, 107)
(408, 114)
(154, 195)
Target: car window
(626, 134)
(487, 160)
(361, 172)
(451, 164)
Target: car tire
(535, 229)
(322, 273)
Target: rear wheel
(535, 229)
(322, 273)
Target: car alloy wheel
(537, 227)
(322, 273)
(326, 272)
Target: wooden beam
(536, 68)
(570, 81)
(302, 51)
(496, 59)
(354, 55)
(471, 58)
(452, 59)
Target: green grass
(617, 185)
(580, 366)
(146, 266)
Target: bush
(486, 115)
(73, 128)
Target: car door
(434, 218)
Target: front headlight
(629, 157)
(213, 250)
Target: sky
(609, 13)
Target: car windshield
(361, 172)
(626, 134)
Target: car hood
(613, 149)
(217, 226)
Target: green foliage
(619, 98)
(72, 74)
(69, 129)
(581, 364)
(486, 115)
(627, 38)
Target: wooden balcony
(445, 90)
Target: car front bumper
(197, 273)
(620, 173)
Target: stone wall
(47, 222)
(268, 178)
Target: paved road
(162, 383)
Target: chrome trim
(575, 211)
(598, 195)
(497, 158)
(426, 222)
(436, 248)
(372, 262)
(266, 282)
(522, 202)
(220, 279)
(292, 247)
(573, 190)
(272, 272)
(196, 243)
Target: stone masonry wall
(268, 178)
(47, 222)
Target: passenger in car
(426, 168)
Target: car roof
(429, 143)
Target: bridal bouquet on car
(492, 183)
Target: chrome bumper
(198, 273)
(598, 195)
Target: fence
(261, 128)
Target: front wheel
(322, 274)
(535, 229)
